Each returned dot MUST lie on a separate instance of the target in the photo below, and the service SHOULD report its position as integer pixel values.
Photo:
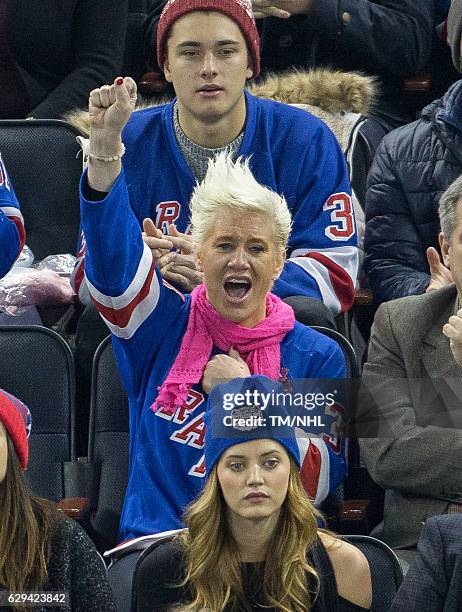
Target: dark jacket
(411, 395)
(414, 165)
(434, 582)
(64, 49)
(388, 38)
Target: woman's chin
(242, 312)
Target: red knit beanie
(239, 11)
(16, 418)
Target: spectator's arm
(98, 43)
(122, 280)
(394, 36)
(12, 233)
(398, 457)
(395, 258)
(89, 588)
(426, 580)
(323, 251)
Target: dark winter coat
(64, 49)
(414, 165)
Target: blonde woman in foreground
(253, 541)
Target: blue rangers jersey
(12, 233)
(147, 318)
(290, 151)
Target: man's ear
(444, 246)
(166, 68)
(249, 72)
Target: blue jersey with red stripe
(290, 151)
(147, 319)
(12, 233)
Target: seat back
(134, 579)
(36, 365)
(351, 363)
(108, 445)
(121, 575)
(40, 156)
(386, 572)
(125, 561)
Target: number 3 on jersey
(341, 215)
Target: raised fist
(110, 106)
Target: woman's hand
(179, 267)
(111, 106)
(159, 244)
(222, 368)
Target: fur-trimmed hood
(329, 94)
(329, 90)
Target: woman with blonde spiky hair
(252, 540)
(172, 348)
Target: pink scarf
(259, 346)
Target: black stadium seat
(40, 156)
(107, 447)
(36, 366)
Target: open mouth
(237, 289)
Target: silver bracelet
(85, 146)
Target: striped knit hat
(16, 418)
(239, 11)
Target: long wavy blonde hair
(213, 565)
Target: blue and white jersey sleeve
(123, 283)
(323, 251)
(12, 233)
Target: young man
(347, 35)
(208, 50)
(12, 233)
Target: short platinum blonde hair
(231, 184)
(448, 208)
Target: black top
(164, 568)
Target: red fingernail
(119, 81)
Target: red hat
(16, 418)
(239, 11)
